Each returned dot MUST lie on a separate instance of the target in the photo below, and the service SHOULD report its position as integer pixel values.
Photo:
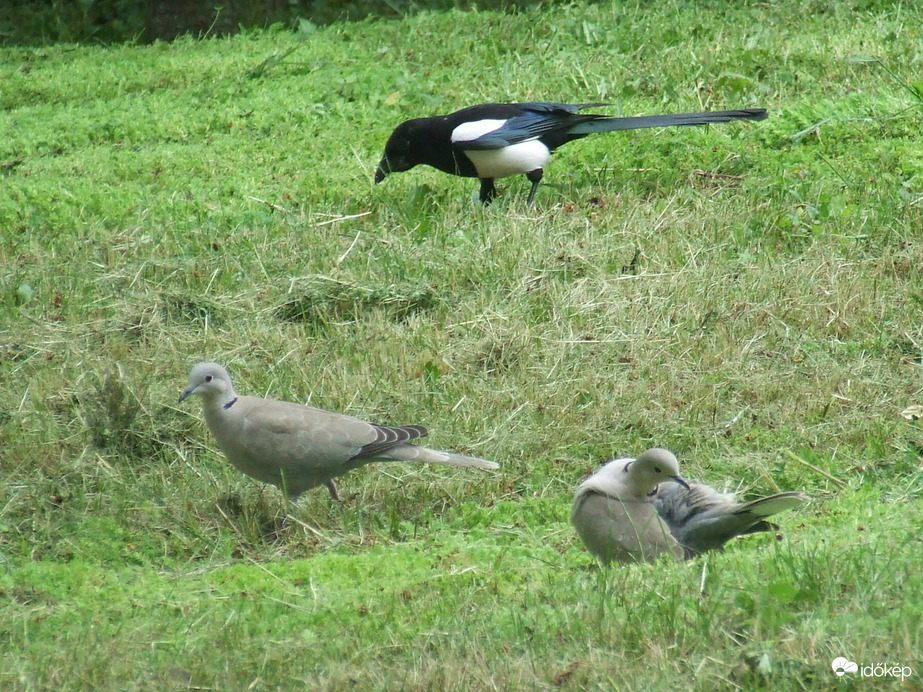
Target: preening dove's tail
(767, 506)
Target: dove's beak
(681, 481)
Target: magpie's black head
(400, 151)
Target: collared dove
(623, 513)
(297, 447)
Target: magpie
(496, 140)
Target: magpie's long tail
(604, 124)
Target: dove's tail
(767, 506)
(410, 452)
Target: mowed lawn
(749, 295)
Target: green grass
(166, 204)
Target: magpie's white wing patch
(470, 131)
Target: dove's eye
(208, 378)
(656, 469)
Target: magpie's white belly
(512, 160)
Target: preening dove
(297, 447)
(626, 512)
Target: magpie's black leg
(488, 191)
(535, 177)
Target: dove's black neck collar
(230, 403)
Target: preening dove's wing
(613, 510)
(297, 447)
(701, 518)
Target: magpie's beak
(681, 481)
(381, 171)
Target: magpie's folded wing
(530, 121)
